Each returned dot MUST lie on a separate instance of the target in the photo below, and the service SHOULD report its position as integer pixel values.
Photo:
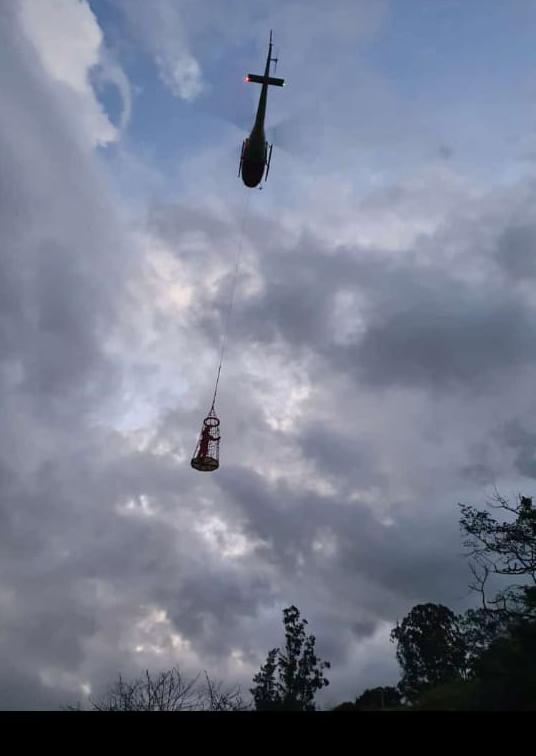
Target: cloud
(516, 251)
(161, 30)
(63, 249)
(177, 34)
(69, 42)
(181, 74)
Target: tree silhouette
(373, 699)
(430, 648)
(168, 691)
(480, 627)
(503, 676)
(266, 690)
(506, 671)
(379, 698)
(506, 548)
(289, 679)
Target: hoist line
(227, 319)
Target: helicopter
(256, 152)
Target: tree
(168, 691)
(217, 697)
(379, 698)
(373, 699)
(480, 627)
(506, 672)
(346, 706)
(505, 548)
(266, 692)
(457, 695)
(289, 679)
(430, 649)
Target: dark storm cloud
(388, 557)
(422, 327)
(523, 444)
(338, 453)
(447, 334)
(516, 251)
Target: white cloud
(161, 28)
(181, 73)
(69, 42)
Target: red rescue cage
(207, 451)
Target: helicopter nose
(252, 173)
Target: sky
(380, 361)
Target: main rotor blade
(296, 132)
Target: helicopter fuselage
(254, 157)
(256, 152)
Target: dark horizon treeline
(484, 659)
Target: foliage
(506, 671)
(506, 548)
(289, 679)
(168, 691)
(457, 695)
(386, 697)
(482, 660)
(430, 648)
(480, 627)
